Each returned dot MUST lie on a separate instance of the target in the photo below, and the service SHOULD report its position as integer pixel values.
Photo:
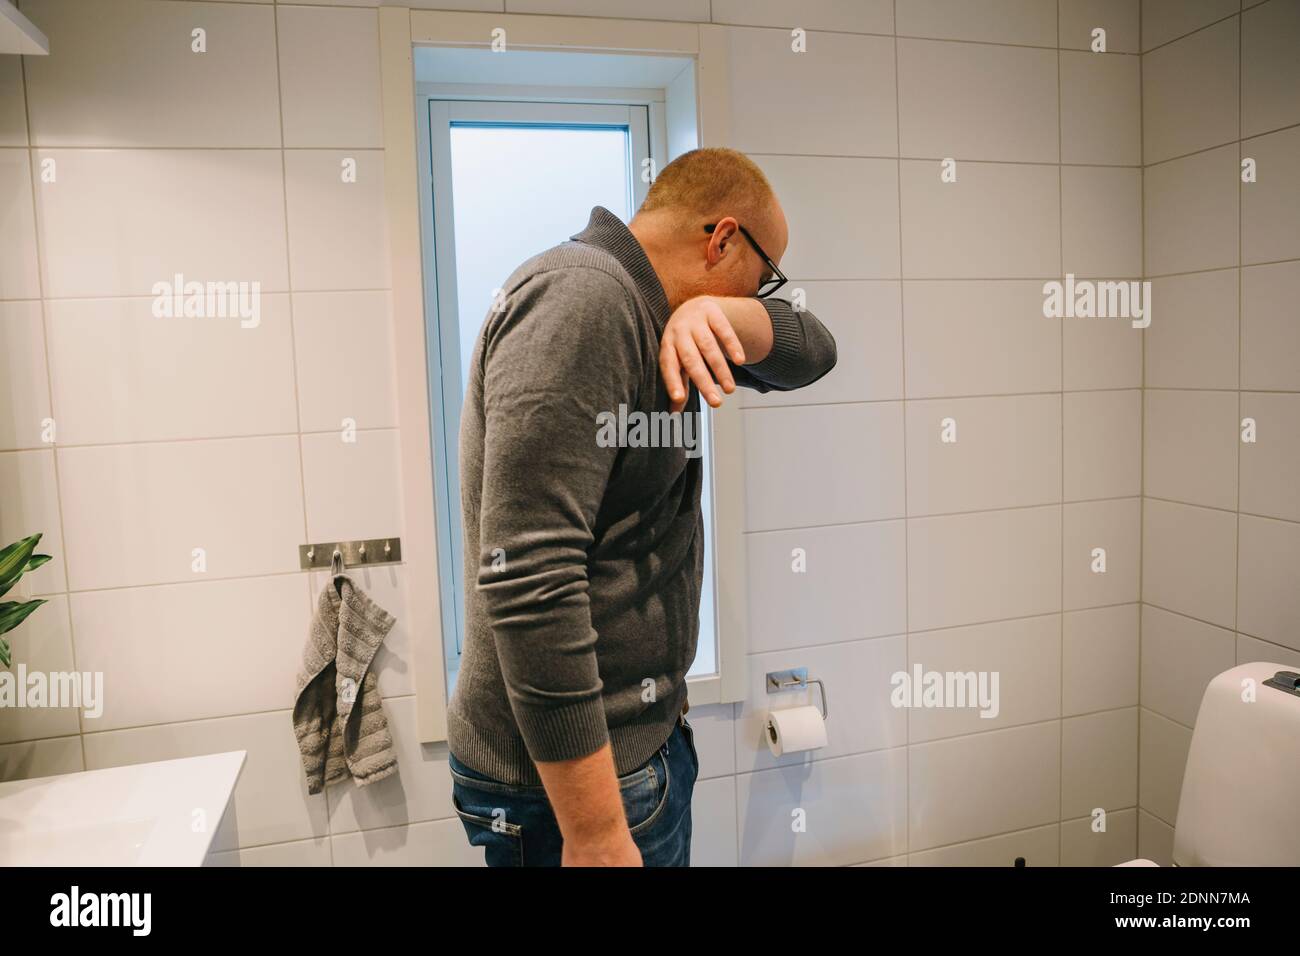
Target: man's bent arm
(566, 350)
(784, 349)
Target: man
(584, 559)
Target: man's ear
(724, 233)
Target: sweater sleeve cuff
(787, 342)
(562, 733)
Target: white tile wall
(933, 291)
(997, 221)
(835, 98)
(81, 95)
(1222, 523)
(1190, 93)
(99, 219)
(975, 101)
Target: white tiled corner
(1101, 109)
(1165, 20)
(1099, 762)
(1099, 659)
(1180, 656)
(1163, 746)
(1192, 339)
(1190, 446)
(1102, 444)
(1189, 560)
(1115, 528)
(1118, 18)
(1101, 210)
(1190, 93)
(1191, 212)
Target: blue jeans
(517, 827)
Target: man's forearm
(752, 324)
(585, 795)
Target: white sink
(150, 814)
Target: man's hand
(693, 341)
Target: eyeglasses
(777, 279)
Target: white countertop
(140, 815)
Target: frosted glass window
(519, 190)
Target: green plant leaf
(13, 560)
(36, 561)
(4, 652)
(13, 613)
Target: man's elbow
(820, 355)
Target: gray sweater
(584, 558)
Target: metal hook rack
(778, 681)
(338, 555)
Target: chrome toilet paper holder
(778, 681)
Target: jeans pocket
(647, 795)
(689, 733)
(487, 826)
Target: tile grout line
(49, 392)
(902, 340)
(1241, 197)
(1142, 433)
(293, 344)
(1060, 632)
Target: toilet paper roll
(794, 729)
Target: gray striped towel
(338, 715)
